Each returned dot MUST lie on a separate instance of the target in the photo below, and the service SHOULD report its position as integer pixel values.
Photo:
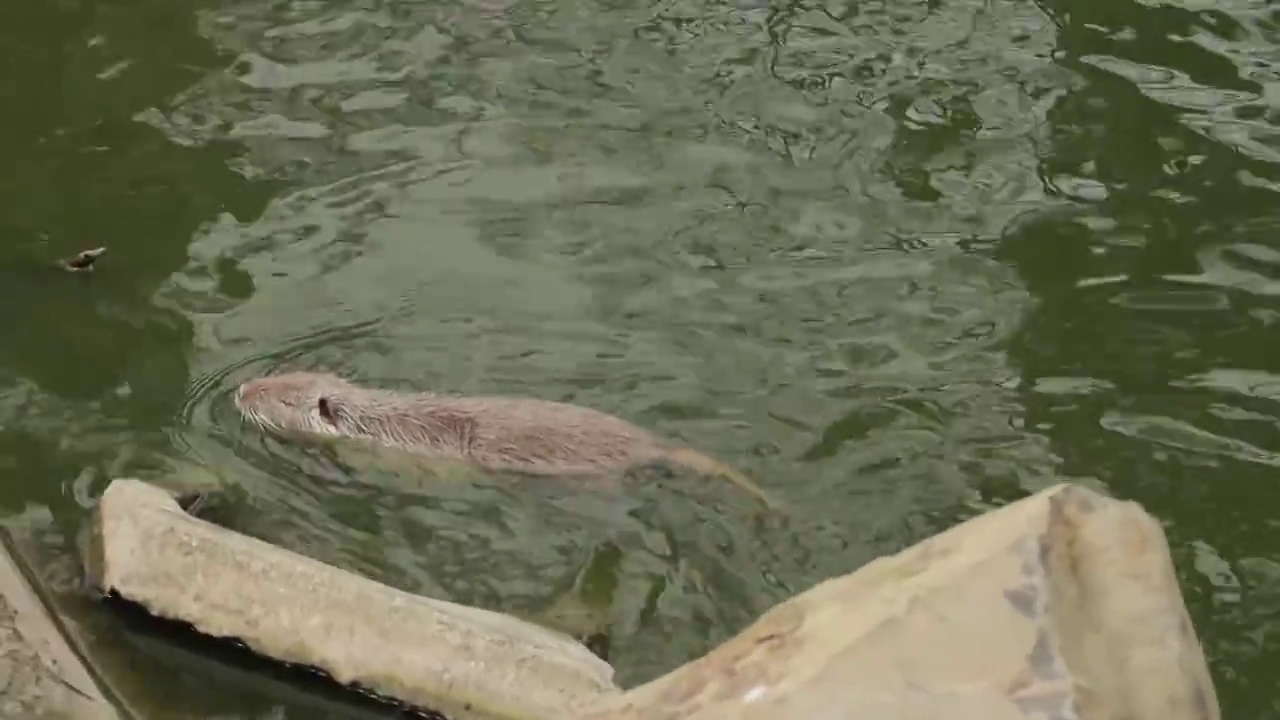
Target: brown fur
(498, 433)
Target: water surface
(900, 262)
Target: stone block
(41, 676)
(1063, 605)
(460, 661)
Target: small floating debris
(83, 262)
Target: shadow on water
(80, 171)
(91, 369)
(1148, 359)
(230, 664)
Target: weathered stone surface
(41, 678)
(461, 661)
(1063, 605)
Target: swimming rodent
(519, 434)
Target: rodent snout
(244, 391)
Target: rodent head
(293, 402)
(327, 405)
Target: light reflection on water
(725, 245)
(897, 262)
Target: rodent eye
(325, 409)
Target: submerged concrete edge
(45, 675)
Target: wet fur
(498, 433)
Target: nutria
(527, 435)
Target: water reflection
(733, 245)
(92, 370)
(80, 172)
(898, 262)
(1157, 302)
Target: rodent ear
(327, 411)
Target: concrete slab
(461, 661)
(1063, 605)
(41, 677)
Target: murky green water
(899, 261)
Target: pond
(899, 262)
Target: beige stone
(1062, 605)
(41, 677)
(462, 661)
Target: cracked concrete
(41, 677)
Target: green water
(901, 262)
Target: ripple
(1071, 386)
(297, 353)
(1241, 381)
(1172, 300)
(1185, 436)
(1221, 266)
(374, 100)
(279, 126)
(900, 262)
(208, 413)
(261, 73)
(328, 25)
(1170, 86)
(534, 200)
(1210, 564)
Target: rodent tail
(695, 460)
